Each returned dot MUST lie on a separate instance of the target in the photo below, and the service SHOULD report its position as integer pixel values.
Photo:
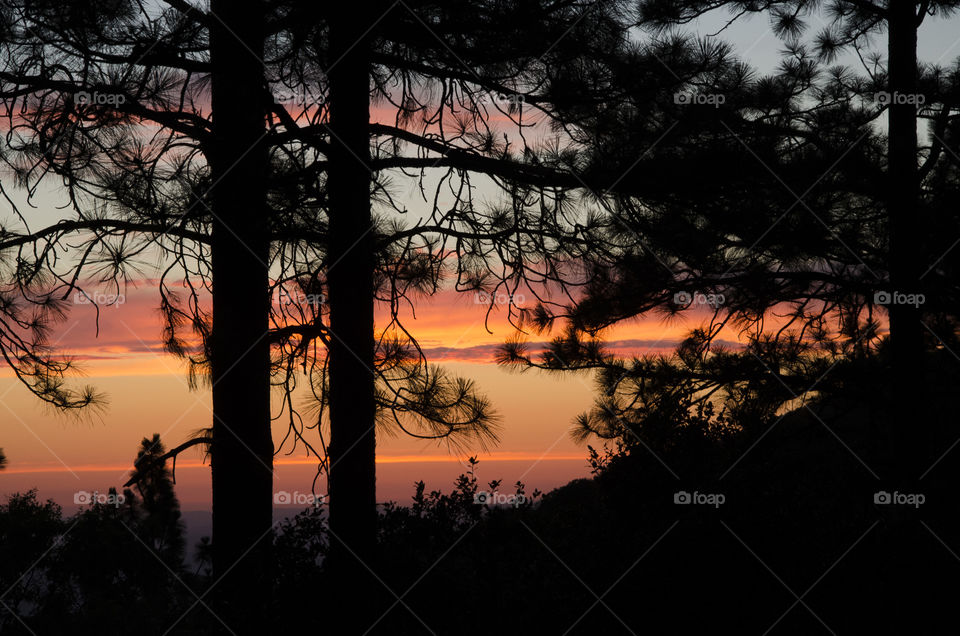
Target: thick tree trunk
(352, 477)
(898, 561)
(242, 474)
(906, 330)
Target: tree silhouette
(239, 350)
(352, 481)
(554, 151)
(27, 527)
(133, 193)
(789, 222)
(114, 103)
(794, 255)
(437, 82)
(849, 25)
(154, 482)
(105, 566)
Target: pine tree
(162, 522)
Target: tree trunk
(899, 568)
(352, 476)
(906, 330)
(242, 473)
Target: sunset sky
(148, 394)
(148, 391)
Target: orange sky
(148, 394)
(148, 391)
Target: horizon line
(384, 459)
